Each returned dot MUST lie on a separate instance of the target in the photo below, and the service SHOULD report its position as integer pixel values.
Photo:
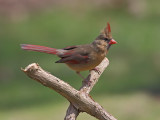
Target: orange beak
(112, 41)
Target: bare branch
(80, 100)
(71, 113)
(93, 77)
(86, 87)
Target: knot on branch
(31, 68)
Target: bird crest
(107, 31)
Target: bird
(80, 57)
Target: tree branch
(86, 87)
(80, 101)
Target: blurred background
(129, 88)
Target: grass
(139, 106)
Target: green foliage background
(134, 68)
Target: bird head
(107, 36)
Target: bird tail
(39, 48)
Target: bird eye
(106, 39)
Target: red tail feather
(39, 48)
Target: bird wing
(70, 47)
(75, 55)
(73, 59)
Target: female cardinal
(80, 57)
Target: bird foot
(96, 69)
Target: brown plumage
(81, 57)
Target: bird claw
(96, 69)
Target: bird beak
(112, 41)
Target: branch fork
(80, 100)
